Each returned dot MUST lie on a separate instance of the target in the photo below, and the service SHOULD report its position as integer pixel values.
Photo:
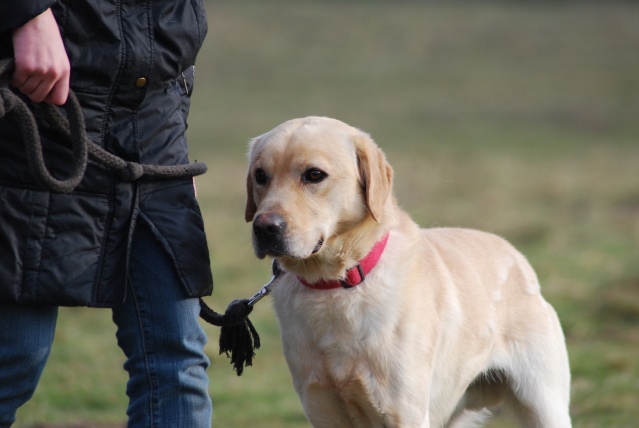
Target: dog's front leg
(324, 408)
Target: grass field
(517, 118)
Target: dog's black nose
(269, 235)
(268, 226)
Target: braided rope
(73, 129)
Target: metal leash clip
(266, 289)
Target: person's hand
(42, 68)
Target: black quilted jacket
(132, 70)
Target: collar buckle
(348, 284)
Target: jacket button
(140, 82)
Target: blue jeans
(157, 328)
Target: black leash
(238, 337)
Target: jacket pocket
(172, 212)
(50, 246)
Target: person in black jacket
(137, 247)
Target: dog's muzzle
(270, 236)
(269, 231)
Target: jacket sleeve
(16, 13)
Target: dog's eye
(313, 175)
(260, 176)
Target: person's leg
(26, 335)
(158, 330)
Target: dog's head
(312, 182)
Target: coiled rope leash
(238, 337)
(73, 130)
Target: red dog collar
(356, 274)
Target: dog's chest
(333, 335)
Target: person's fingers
(41, 91)
(41, 86)
(22, 74)
(59, 93)
(29, 85)
(42, 68)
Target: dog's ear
(375, 173)
(251, 208)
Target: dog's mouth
(279, 248)
(318, 246)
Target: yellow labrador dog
(385, 324)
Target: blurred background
(516, 117)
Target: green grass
(517, 118)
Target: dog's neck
(356, 274)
